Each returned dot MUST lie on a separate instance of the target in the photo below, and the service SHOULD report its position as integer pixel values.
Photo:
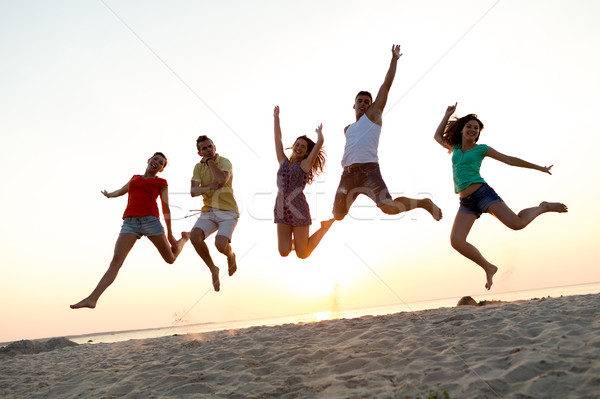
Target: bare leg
(403, 204)
(122, 247)
(458, 238)
(223, 246)
(304, 244)
(197, 239)
(526, 216)
(168, 253)
(284, 239)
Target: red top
(142, 196)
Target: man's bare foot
(489, 274)
(432, 208)
(554, 207)
(86, 303)
(215, 278)
(231, 265)
(185, 235)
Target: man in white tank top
(361, 173)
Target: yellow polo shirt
(222, 198)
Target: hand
(206, 158)
(276, 112)
(451, 109)
(396, 51)
(105, 193)
(172, 241)
(319, 131)
(546, 169)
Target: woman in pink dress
(292, 214)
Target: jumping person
(292, 213)
(459, 136)
(212, 179)
(141, 218)
(361, 173)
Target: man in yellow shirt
(212, 179)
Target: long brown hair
(452, 133)
(317, 167)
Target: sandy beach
(541, 348)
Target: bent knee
(457, 243)
(302, 254)
(221, 247)
(339, 216)
(284, 252)
(516, 226)
(222, 244)
(196, 235)
(389, 209)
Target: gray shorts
(223, 222)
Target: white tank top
(362, 140)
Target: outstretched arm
(440, 130)
(117, 193)
(308, 162)
(376, 109)
(514, 161)
(278, 143)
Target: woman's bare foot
(215, 278)
(231, 265)
(432, 208)
(489, 274)
(185, 235)
(554, 207)
(326, 224)
(86, 303)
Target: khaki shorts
(223, 222)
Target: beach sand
(541, 348)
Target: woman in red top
(140, 218)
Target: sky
(89, 90)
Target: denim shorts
(142, 226)
(479, 201)
(223, 222)
(360, 179)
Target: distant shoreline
(210, 326)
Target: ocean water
(106, 337)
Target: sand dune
(544, 348)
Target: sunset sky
(89, 90)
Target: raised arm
(376, 109)
(278, 142)
(440, 130)
(221, 176)
(308, 162)
(514, 161)
(117, 193)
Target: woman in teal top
(460, 137)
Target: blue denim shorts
(479, 201)
(142, 226)
(360, 179)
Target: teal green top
(466, 165)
